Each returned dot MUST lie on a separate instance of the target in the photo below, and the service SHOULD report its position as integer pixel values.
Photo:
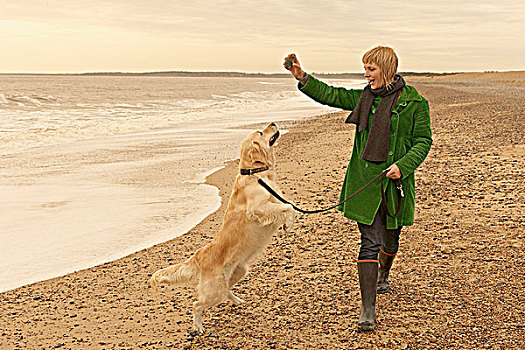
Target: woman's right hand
(296, 69)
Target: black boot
(368, 283)
(385, 263)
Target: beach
(457, 280)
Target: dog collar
(253, 171)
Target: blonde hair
(385, 58)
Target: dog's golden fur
(251, 219)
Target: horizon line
(240, 73)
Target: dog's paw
(154, 285)
(199, 329)
(288, 223)
(235, 299)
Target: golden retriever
(251, 219)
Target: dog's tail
(175, 274)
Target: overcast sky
(253, 36)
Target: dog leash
(381, 176)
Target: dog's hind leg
(239, 272)
(234, 299)
(198, 308)
(210, 291)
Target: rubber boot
(368, 283)
(385, 263)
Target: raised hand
(295, 67)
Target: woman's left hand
(394, 172)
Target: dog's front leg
(290, 218)
(270, 213)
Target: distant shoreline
(224, 74)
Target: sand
(457, 281)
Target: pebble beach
(457, 281)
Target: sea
(75, 151)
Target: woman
(392, 133)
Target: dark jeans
(376, 237)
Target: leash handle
(399, 197)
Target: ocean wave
(248, 94)
(125, 105)
(269, 83)
(25, 100)
(37, 119)
(218, 96)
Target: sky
(64, 36)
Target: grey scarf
(378, 142)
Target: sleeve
(329, 95)
(421, 141)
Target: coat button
(390, 153)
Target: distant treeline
(248, 75)
(225, 74)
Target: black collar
(253, 171)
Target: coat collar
(409, 94)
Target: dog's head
(257, 148)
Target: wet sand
(457, 281)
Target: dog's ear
(257, 153)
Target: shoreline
(302, 292)
(60, 187)
(200, 180)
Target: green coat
(410, 141)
